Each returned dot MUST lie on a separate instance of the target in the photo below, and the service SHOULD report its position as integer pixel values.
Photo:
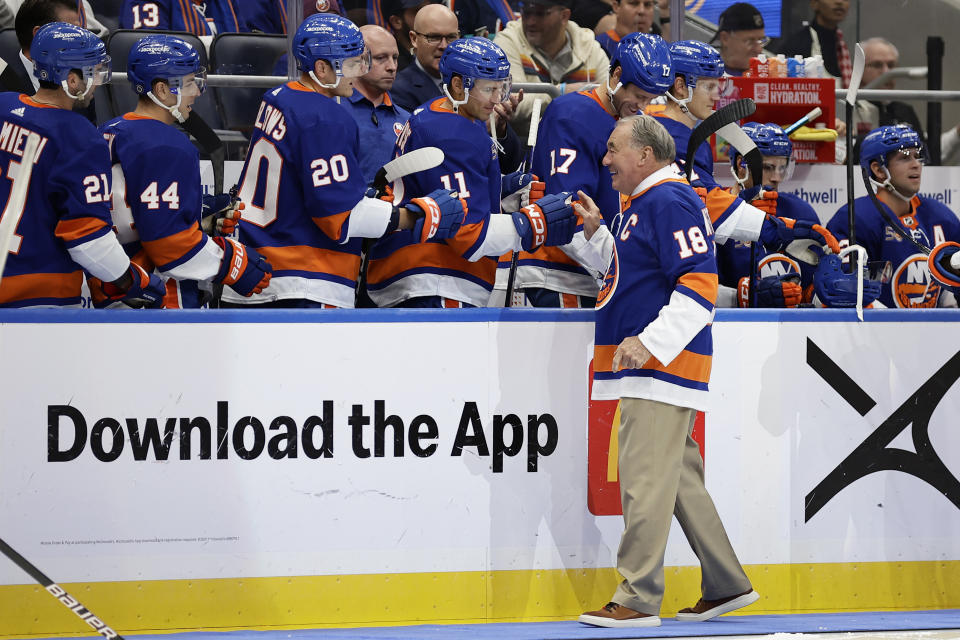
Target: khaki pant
(661, 475)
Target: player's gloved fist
(442, 214)
(837, 288)
(773, 292)
(520, 189)
(145, 290)
(550, 222)
(767, 202)
(242, 268)
(220, 213)
(776, 233)
(941, 263)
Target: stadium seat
(124, 99)
(249, 54)
(107, 12)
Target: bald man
(379, 120)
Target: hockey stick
(815, 113)
(858, 63)
(752, 157)
(59, 592)
(17, 198)
(417, 160)
(527, 164)
(725, 115)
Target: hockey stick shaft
(717, 120)
(527, 165)
(859, 62)
(752, 157)
(18, 197)
(60, 593)
(815, 113)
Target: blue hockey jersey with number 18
(661, 285)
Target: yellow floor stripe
(467, 597)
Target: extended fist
(550, 222)
(776, 233)
(442, 212)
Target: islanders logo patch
(912, 286)
(609, 281)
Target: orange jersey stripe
(173, 247)
(429, 255)
(303, 258)
(76, 228)
(40, 285)
(332, 225)
(687, 365)
(703, 283)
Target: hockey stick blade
(17, 198)
(60, 593)
(815, 113)
(740, 141)
(725, 115)
(856, 75)
(893, 224)
(412, 162)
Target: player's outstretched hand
(136, 289)
(776, 233)
(220, 214)
(441, 214)
(767, 202)
(518, 189)
(773, 292)
(550, 222)
(242, 268)
(837, 288)
(944, 263)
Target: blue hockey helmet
(880, 142)
(326, 36)
(645, 62)
(693, 59)
(163, 57)
(772, 142)
(59, 48)
(475, 59)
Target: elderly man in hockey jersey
(302, 184)
(894, 157)
(61, 220)
(698, 69)
(568, 156)
(782, 280)
(157, 195)
(460, 271)
(653, 352)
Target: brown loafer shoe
(707, 609)
(617, 616)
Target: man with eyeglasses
(401, 18)
(378, 119)
(740, 36)
(460, 271)
(546, 46)
(435, 27)
(894, 156)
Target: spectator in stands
(881, 56)
(823, 37)
(87, 20)
(630, 16)
(739, 37)
(270, 16)
(202, 19)
(544, 45)
(379, 120)
(31, 15)
(399, 17)
(434, 28)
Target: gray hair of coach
(645, 131)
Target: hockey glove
(776, 233)
(442, 214)
(145, 290)
(773, 292)
(550, 222)
(520, 189)
(242, 268)
(837, 288)
(220, 214)
(767, 202)
(940, 261)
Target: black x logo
(873, 454)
